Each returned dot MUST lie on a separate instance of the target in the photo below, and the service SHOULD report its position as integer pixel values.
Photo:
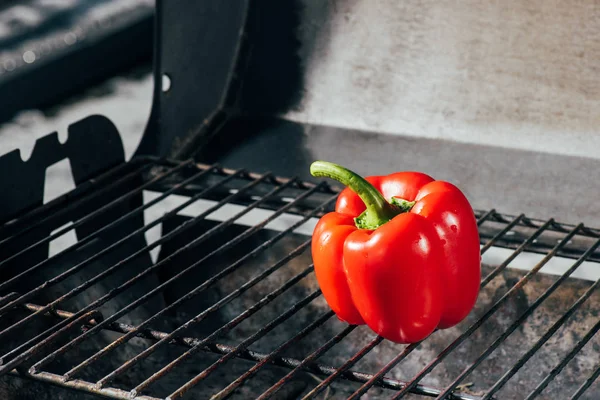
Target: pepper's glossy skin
(418, 272)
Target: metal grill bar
(484, 318)
(246, 354)
(225, 328)
(96, 213)
(199, 345)
(242, 347)
(585, 385)
(221, 274)
(192, 294)
(556, 370)
(87, 239)
(58, 313)
(9, 297)
(346, 366)
(136, 331)
(79, 385)
(112, 269)
(159, 288)
(227, 391)
(73, 205)
(515, 253)
(325, 370)
(550, 331)
(74, 322)
(486, 216)
(108, 271)
(367, 385)
(224, 349)
(503, 232)
(311, 358)
(277, 179)
(534, 222)
(26, 355)
(527, 312)
(73, 195)
(544, 243)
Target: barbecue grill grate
(238, 241)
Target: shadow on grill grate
(195, 281)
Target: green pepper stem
(378, 210)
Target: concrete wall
(520, 74)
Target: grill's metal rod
(251, 355)
(8, 298)
(514, 254)
(242, 346)
(311, 358)
(503, 232)
(228, 390)
(525, 314)
(196, 319)
(307, 361)
(536, 223)
(506, 218)
(65, 274)
(79, 191)
(280, 180)
(159, 288)
(481, 320)
(196, 342)
(590, 231)
(113, 268)
(199, 345)
(72, 205)
(96, 213)
(79, 385)
(203, 286)
(585, 385)
(548, 333)
(347, 365)
(90, 315)
(365, 350)
(137, 330)
(172, 364)
(58, 313)
(556, 370)
(387, 368)
(131, 281)
(485, 216)
(545, 243)
(325, 370)
(87, 239)
(201, 238)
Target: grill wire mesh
(195, 281)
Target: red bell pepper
(399, 253)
